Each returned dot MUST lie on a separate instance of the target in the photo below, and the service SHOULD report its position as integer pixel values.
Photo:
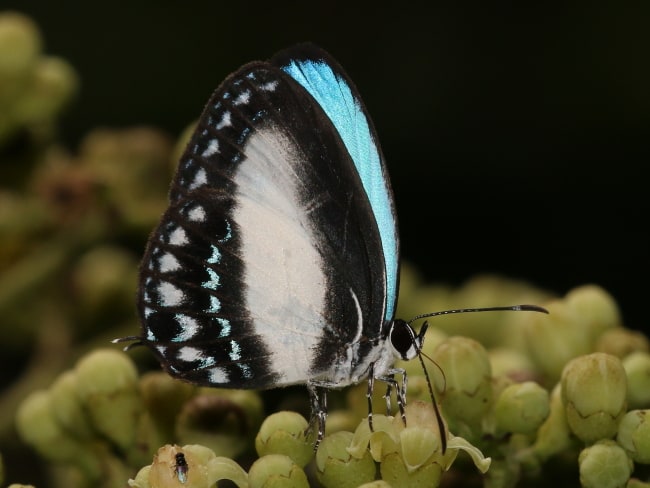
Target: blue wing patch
(337, 99)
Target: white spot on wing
(189, 354)
(178, 237)
(243, 98)
(218, 375)
(192, 354)
(200, 179)
(211, 149)
(168, 263)
(196, 214)
(170, 296)
(269, 86)
(225, 121)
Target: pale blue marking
(216, 255)
(215, 305)
(245, 370)
(337, 100)
(235, 353)
(228, 233)
(214, 281)
(225, 327)
(207, 362)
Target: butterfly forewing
(336, 94)
(267, 268)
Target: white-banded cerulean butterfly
(276, 262)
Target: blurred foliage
(543, 397)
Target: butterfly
(276, 262)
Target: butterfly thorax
(354, 363)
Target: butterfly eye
(404, 340)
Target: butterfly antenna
(511, 308)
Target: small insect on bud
(181, 468)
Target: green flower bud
(104, 279)
(421, 416)
(223, 420)
(141, 479)
(383, 438)
(553, 435)
(336, 467)
(276, 471)
(620, 342)
(637, 368)
(189, 466)
(37, 426)
(284, 433)
(222, 468)
(512, 364)
(634, 435)
(163, 397)
(556, 338)
(67, 407)
(521, 408)
(107, 384)
(122, 160)
(50, 87)
(594, 390)
(466, 391)
(341, 420)
(596, 308)
(165, 473)
(395, 471)
(20, 44)
(604, 465)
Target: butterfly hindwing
(268, 265)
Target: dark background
(517, 138)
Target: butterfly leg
(318, 396)
(371, 388)
(400, 390)
(389, 407)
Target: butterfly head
(404, 341)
